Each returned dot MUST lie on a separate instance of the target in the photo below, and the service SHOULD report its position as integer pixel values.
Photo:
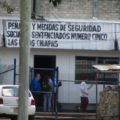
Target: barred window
(83, 68)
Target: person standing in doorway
(47, 88)
(84, 95)
(55, 85)
(35, 87)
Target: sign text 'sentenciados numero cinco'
(56, 34)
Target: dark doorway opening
(43, 61)
(42, 65)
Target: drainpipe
(95, 9)
(36, 9)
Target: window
(83, 67)
(10, 91)
(110, 78)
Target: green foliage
(6, 6)
(55, 2)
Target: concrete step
(66, 113)
(65, 116)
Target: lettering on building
(55, 34)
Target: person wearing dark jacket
(47, 88)
(35, 87)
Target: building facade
(72, 36)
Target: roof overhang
(108, 68)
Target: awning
(108, 68)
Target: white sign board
(63, 35)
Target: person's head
(37, 76)
(85, 78)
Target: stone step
(65, 116)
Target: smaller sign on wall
(63, 35)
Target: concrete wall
(82, 9)
(70, 9)
(7, 5)
(65, 60)
(75, 9)
(109, 9)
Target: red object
(33, 102)
(1, 101)
(84, 104)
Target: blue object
(35, 85)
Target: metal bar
(49, 69)
(96, 94)
(53, 91)
(90, 81)
(119, 103)
(14, 74)
(30, 75)
(6, 71)
(17, 74)
(56, 109)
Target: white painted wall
(6, 59)
(65, 60)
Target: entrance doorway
(43, 61)
(42, 65)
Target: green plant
(7, 7)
